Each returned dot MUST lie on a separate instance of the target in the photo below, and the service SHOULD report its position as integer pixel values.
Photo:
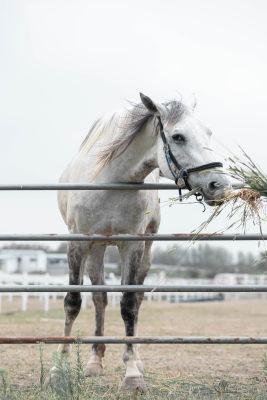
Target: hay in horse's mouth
(247, 204)
(251, 197)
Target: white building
(57, 263)
(22, 260)
(30, 260)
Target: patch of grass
(69, 383)
(264, 362)
(159, 388)
(18, 316)
(171, 372)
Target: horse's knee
(129, 310)
(128, 306)
(72, 304)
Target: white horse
(127, 146)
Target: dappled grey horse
(129, 146)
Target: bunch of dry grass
(242, 206)
(245, 204)
(250, 175)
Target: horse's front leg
(131, 256)
(72, 301)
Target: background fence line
(234, 287)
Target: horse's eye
(178, 138)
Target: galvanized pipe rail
(136, 339)
(132, 288)
(124, 237)
(93, 186)
(124, 288)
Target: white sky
(64, 63)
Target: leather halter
(179, 173)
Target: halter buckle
(199, 196)
(180, 182)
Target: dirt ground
(193, 362)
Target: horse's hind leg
(95, 268)
(73, 300)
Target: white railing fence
(114, 298)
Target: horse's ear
(193, 102)
(149, 104)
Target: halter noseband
(179, 173)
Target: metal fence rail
(132, 288)
(93, 186)
(54, 237)
(136, 339)
(124, 288)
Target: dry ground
(194, 363)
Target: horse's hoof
(140, 366)
(64, 349)
(94, 369)
(134, 384)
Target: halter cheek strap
(179, 173)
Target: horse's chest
(110, 211)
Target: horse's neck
(133, 165)
(137, 162)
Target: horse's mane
(123, 127)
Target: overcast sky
(65, 63)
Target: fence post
(24, 300)
(47, 294)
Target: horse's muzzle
(216, 194)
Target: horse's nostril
(214, 185)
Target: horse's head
(188, 140)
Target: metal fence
(126, 288)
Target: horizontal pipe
(93, 186)
(125, 237)
(86, 186)
(136, 339)
(132, 288)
